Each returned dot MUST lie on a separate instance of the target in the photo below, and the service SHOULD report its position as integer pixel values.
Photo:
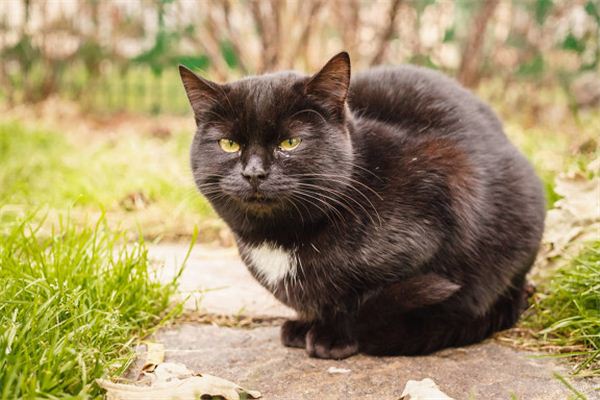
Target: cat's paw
(293, 333)
(322, 342)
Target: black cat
(390, 211)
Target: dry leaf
(423, 390)
(574, 220)
(155, 354)
(171, 381)
(581, 196)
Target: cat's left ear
(330, 85)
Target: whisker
(291, 201)
(336, 176)
(338, 201)
(338, 193)
(351, 164)
(326, 204)
(302, 197)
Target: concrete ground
(215, 281)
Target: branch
(469, 69)
(387, 33)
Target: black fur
(412, 219)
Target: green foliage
(201, 62)
(91, 54)
(421, 5)
(229, 55)
(162, 54)
(568, 311)
(532, 68)
(573, 44)
(449, 35)
(71, 306)
(24, 52)
(423, 60)
(591, 7)
(541, 10)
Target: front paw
(323, 342)
(293, 333)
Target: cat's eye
(290, 144)
(229, 146)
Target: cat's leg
(333, 337)
(293, 333)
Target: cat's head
(272, 145)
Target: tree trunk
(469, 71)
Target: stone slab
(216, 280)
(254, 358)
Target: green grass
(71, 305)
(567, 312)
(41, 167)
(38, 167)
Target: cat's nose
(254, 171)
(255, 176)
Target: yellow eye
(290, 144)
(229, 146)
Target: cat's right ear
(201, 92)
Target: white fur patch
(272, 262)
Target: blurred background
(120, 55)
(95, 132)
(94, 118)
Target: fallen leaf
(423, 390)
(581, 196)
(155, 354)
(171, 381)
(574, 220)
(167, 371)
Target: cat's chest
(273, 264)
(270, 262)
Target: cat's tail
(427, 329)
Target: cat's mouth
(259, 200)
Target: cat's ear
(330, 85)
(201, 92)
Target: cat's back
(416, 97)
